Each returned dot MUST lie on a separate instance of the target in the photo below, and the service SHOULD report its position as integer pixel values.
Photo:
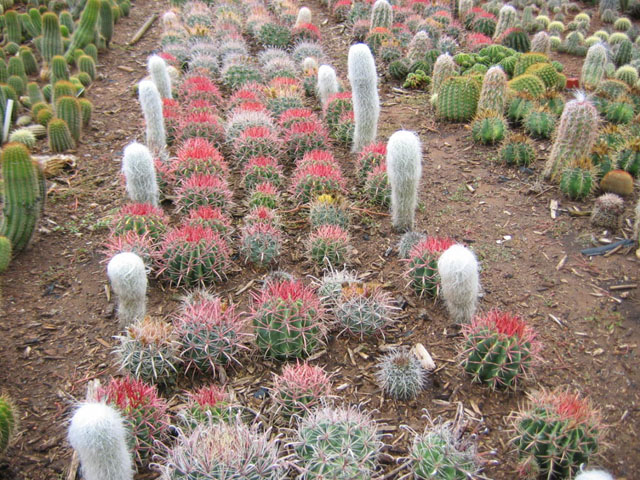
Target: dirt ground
(58, 323)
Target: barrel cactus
(458, 99)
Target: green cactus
(623, 53)
(488, 128)
(546, 73)
(8, 420)
(593, 67)
(106, 21)
(59, 69)
(11, 48)
(24, 195)
(44, 116)
(4, 72)
(16, 67)
(539, 123)
(494, 91)
(5, 253)
(458, 99)
(51, 37)
(84, 33)
(516, 39)
(619, 113)
(577, 183)
(68, 109)
(381, 15)
(61, 88)
(36, 20)
(17, 84)
(517, 150)
(525, 60)
(86, 108)
(92, 51)
(398, 69)
(60, 139)
(627, 74)
(86, 64)
(29, 61)
(628, 158)
(13, 27)
(66, 19)
(529, 84)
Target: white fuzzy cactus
(304, 16)
(309, 64)
(128, 278)
(327, 83)
(404, 167)
(594, 475)
(140, 174)
(157, 68)
(459, 282)
(444, 68)
(364, 87)
(98, 434)
(151, 104)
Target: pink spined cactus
(201, 124)
(295, 115)
(199, 106)
(210, 217)
(306, 32)
(304, 137)
(199, 156)
(317, 157)
(477, 41)
(316, 179)
(204, 189)
(260, 169)
(256, 142)
(142, 245)
(200, 88)
(262, 214)
(370, 157)
(299, 389)
(142, 218)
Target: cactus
(16, 68)
(23, 195)
(618, 182)
(141, 218)
(370, 157)
(272, 34)
(517, 39)
(160, 76)
(539, 123)
(144, 412)
(262, 169)
(256, 142)
(407, 242)
(594, 475)
(23, 136)
(327, 245)
(106, 21)
(128, 278)
(457, 99)
(287, 316)
(575, 136)
(148, 351)
(151, 104)
(210, 332)
(8, 420)
(303, 137)
(488, 128)
(264, 194)
(458, 270)
(194, 256)
(201, 124)
(260, 243)
(627, 74)
(84, 32)
(13, 27)
(593, 67)
(5, 254)
(299, 389)
(68, 109)
(619, 113)
(203, 190)
(213, 218)
(86, 64)
(98, 434)
(221, 450)
(545, 72)
(607, 212)
(444, 68)
(337, 443)
(51, 44)
(622, 53)
(140, 174)
(29, 61)
(528, 84)
(517, 150)
(401, 375)
(507, 18)
(208, 405)
(60, 139)
(376, 187)
(366, 105)
(541, 43)
(557, 434)
(494, 91)
(422, 261)
(381, 14)
(304, 16)
(311, 180)
(363, 308)
(577, 182)
(328, 210)
(404, 170)
(198, 156)
(628, 158)
(440, 454)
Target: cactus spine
(459, 282)
(151, 104)
(140, 174)
(128, 279)
(404, 168)
(366, 104)
(60, 139)
(494, 91)
(594, 65)
(98, 434)
(327, 83)
(24, 195)
(507, 18)
(444, 68)
(160, 76)
(84, 33)
(381, 14)
(575, 136)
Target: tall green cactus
(29, 61)
(60, 139)
(16, 67)
(23, 195)
(59, 69)
(593, 67)
(51, 37)
(494, 91)
(84, 34)
(5, 253)
(36, 20)
(13, 27)
(381, 14)
(106, 21)
(68, 109)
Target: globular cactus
(401, 375)
(528, 84)
(203, 190)
(5, 253)
(272, 34)
(557, 434)
(328, 246)
(201, 124)
(311, 180)
(23, 136)
(593, 68)
(439, 454)
(145, 415)
(500, 349)
(264, 194)
(381, 14)
(299, 389)
(328, 210)
(364, 86)
(541, 43)
(98, 434)
(404, 168)
(575, 136)
(220, 451)
(260, 243)
(207, 405)
(459, 282)
(422, 261)
(336, 107)
(507, 18)
(494, 91)
(517, 150)
(158, 70)
(618, 182)
(140, 174)
(369, 158)
(256, 141)
(539, 123)
(619, 113)
(84, 32)
(607, 211)
(24, 193)
(288, 319)
(149, 351)
(141, 218)
(577, 182)
(13, 27)
(444, 68)
(376, 187)
(363, 308)
(8, 421)
(336, 443)
(213, 218)
(628, 158)
(457, 99)
(327, 83)
(198, 156)
(210, 332)
(627, 74)
(408, 241)
(517, 39)
(594, 475)
(488, 128)
(128, 278)
(262, 169)
(86, 64)
(194, 256)
(303, 137)
(151, 104)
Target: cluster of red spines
(431, 246)
(291, 291)
(506, 325)
(330, 233)
(476, 41)
(201, 124)
(295, 115)
(305, 136)
(204, 189)
(306, 31)
(198, 154)
(200, 88)
(211, 217)
(267, 188)
(208, 396)
(317, 157)
(262, 214)
(286, 84)
(315, 179)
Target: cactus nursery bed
(493, 342)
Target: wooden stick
(143, 29)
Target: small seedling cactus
(363, 308)
(299, 389)
(607, 212)
(210, 333)
(260, 243)
(517, 150)
(288, 319)
(401, 375)
(423, 264)
(557, 433)
(578, 182)
(404, 168)
(98, 434)
(140, 174)
(488, 128)
(328, 245)
(460, 285)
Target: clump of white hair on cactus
(160, 75)
(151, 104)
(128, 277)
(459, 282)
(594, 475)
(366, 102)
(327, 83)
(404, 155)
(97, 433)
(140, 174)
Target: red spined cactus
(256, 142)
(313, 180)
(264, 194)
(142, 218)
(201, 124)
(262, 169)
(171, 113)
(199, 155)
(296, 115)
(299, 389)
(328, 245)
(370, 157)
(304, 137)
(317, 157)
(200, 87)
(202, 189)
(210, 217)
(306, 32)
(141, 245)
(423, 264)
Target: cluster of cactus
(299, 389)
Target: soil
(58, 322)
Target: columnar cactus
(460, 284)
(327, 83)
(140, 174)
(593, 68)
(366, 104)
(381, 14)
(128, 279)
(444, 68)
(507, 18)
(97, 433)
(151, 104)
(5, 253)
(24, 195)
(494, 91)
(59, 135)
(404, 168)
(575, 136)
(8, 419)
(84, 32)
(158, 70)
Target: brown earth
(58, 323)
